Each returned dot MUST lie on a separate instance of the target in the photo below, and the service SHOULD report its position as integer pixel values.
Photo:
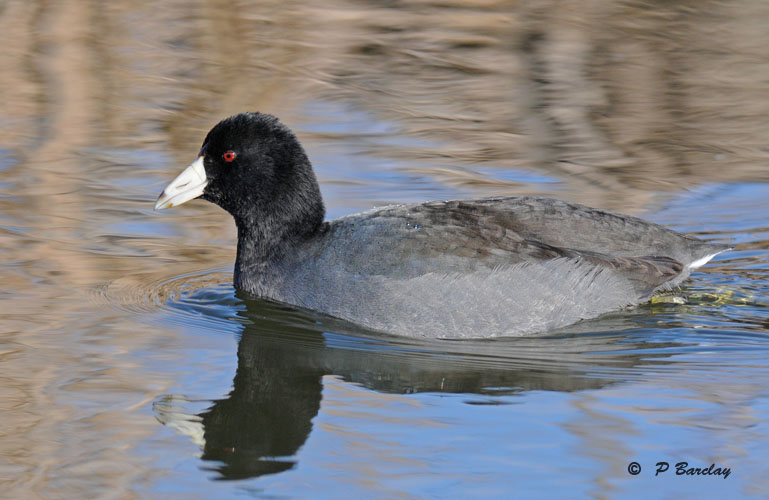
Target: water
(130, 367)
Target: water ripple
(624, 345)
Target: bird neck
(267, 242)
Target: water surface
(130, 367)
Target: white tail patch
(704, 260)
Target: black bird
(462, 268)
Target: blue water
(131, 368)
(343, 412)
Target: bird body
(463, 268)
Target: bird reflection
(283, 355)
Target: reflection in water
(283, 356)
(267, 416)
(655, 107)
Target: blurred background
(113, 317)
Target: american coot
(464, 268)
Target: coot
(462, 268)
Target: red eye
(229, 156)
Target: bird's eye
(229, 156)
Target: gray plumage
(472, 268)
(491, 267)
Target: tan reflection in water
(617, 100)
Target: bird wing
(459, 236)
